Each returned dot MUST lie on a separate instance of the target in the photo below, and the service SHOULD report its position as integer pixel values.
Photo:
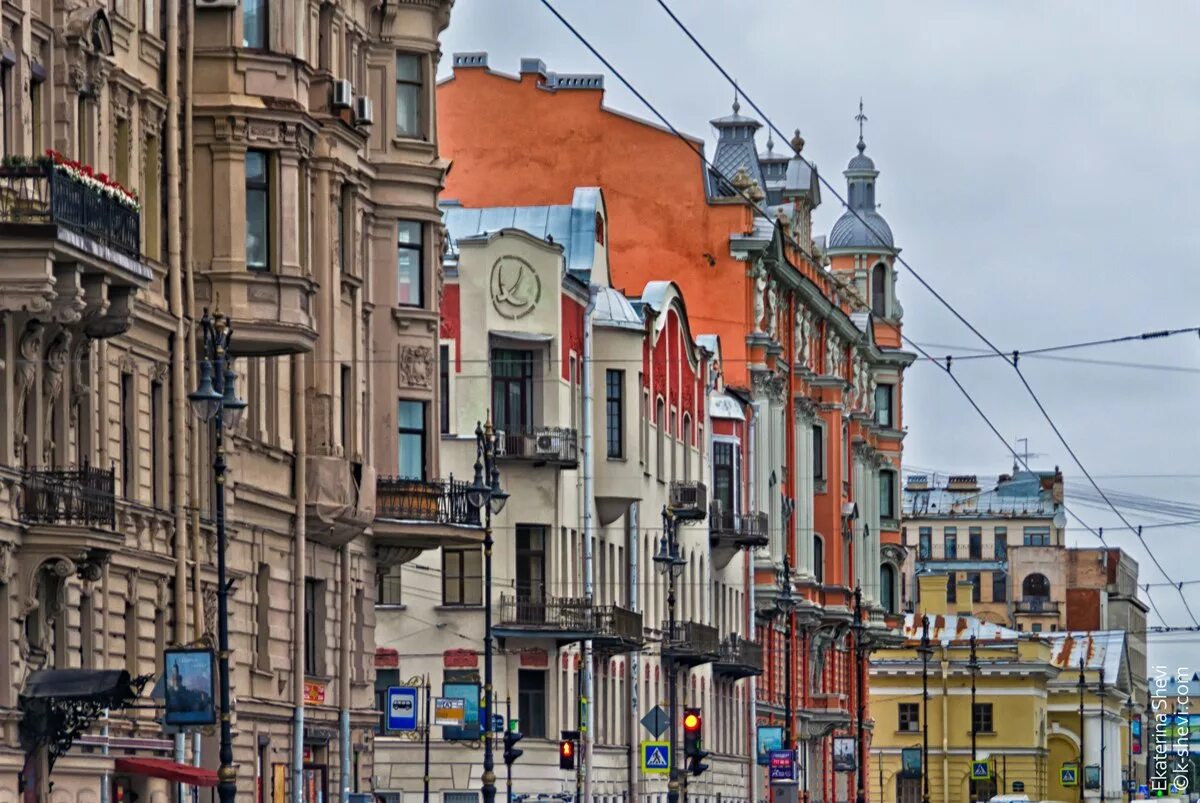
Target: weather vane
(861, 118)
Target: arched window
(879, 278)
(687, 443)
(819, 558)
(887, 587)
(660, 421)
(1035, 586)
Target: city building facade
(276, 164)
(802, 347)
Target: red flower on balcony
(101, 182)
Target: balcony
(340, 499)
(272, 312)
(70, 248)
(618, 630)
(961, 557)
(1038, 606)
(729, 531)
(691, 643)
(564, 619)
(412, 516)
(540, 446)
(739, 658)
(688, 500)
(77, 504)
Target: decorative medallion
(515, 287)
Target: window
(408, 95)
(157, 444)
(258, 211)
(818, 439)
(128, 430)
(531, 568)
(999, 587)
(951, 587)
(85, 128)
(531, 702)
(512, 390)
(975, 543)
(444, 388)
(345, 213)
(660, 421)
(614, 404)
(950, 536)
(879, 290)
(314, 613)
(644, 423)
(687, 444)
(925, 543)
(384, 679)
(7, 107)
(723, 479)
(910, 717)
(976, 583)
(1000, 543)
(390, 587)
(819, 558)
(887, 494)
(410, 290)
(36, 99)
(262, 618)
(883, 405)
(1037, 536)
(410, 444)
(981, 718)
(1035, 586)
(1036, 627)
(462, 577)
(254, 23)
(347, 411)
(887, 587)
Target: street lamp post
(486, 494)
(925, 650)
(786, 603)
(670, 563)
(216, 401)
(860, 656)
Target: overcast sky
(1039, 168)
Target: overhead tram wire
(992, 354)
(941, 299)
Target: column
(858, 478)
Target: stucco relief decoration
(773, 310)
(30, 348)
(416, 366)
(86, 39)
(52, 383)
(759, 274)
(806, 334)
(8, 563)
(805, 411)
(515, 287)
(871, 386)
(832, 356)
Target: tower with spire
(860, 245)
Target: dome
(614, 311)
(851, 232)
(861, 162)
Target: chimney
(917, 482)
(962, 482)
(534, 66)
(965, 595)
(1057, 489)
(465, 60)
(932, 588)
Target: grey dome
(850, 231)
(614, 311)
(861, 162)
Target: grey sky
(1038, 167)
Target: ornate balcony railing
(691, 642)
(742, 529)
(1037, 605)
(81, 496)
(555, 614)
(688, 499)
(41, 194)
(432, 501)
(937, 553)
(559, 445)
(739, 657)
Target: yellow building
(1025, 715)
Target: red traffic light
(567, 749)
(691, 721)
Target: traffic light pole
(669, 667)
(1081, 773)
(508, 764)
(974, 665)
(860, 692)
(925, 651)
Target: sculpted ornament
(416, 366)
(871, 386)
(30, 348)
(773, 313)
(856, 384)
(759, 274)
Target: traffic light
(511, 737)
(566, 751)
(693, 740)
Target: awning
(168, 770)
(70, 684)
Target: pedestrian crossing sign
(656, 757)
(981, 770)
(1070, 775)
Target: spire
(770, 144)
(737, 107)
(861, 118)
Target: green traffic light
(514, 725)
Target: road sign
(656, 721)
(1069, 775)
(1144, 791)
(402, 708)
(449, 711)
(656, 757)
(782, 765)
(981, 770)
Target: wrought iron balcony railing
(688, 499)
(743, 529)
(559, 445)
(739, 657)
(1037, 605)
(41, 194)
(80, 496)
(431, 501)
(618, 627)
(691, 642)
(556, 614)
(986, 553)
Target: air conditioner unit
(343, 94)
(547, 443)
(364, 111)
(203, 4)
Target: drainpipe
(634, 664)
(589, 523)
(752, 499)
(945, 667)
(344, 680)
(300, 422)
(189, 310)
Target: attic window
(599, 229)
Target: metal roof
(1019, 495)
(1101, 650)
(851, 232)
(945, 629)
(613, 311)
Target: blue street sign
(782, 765)
(497, 723)
(402, 708)
(656, 757)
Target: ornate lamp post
(786, 603)
(216, 402)
(486, 494)
(670, 564)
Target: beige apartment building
(277, 162)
